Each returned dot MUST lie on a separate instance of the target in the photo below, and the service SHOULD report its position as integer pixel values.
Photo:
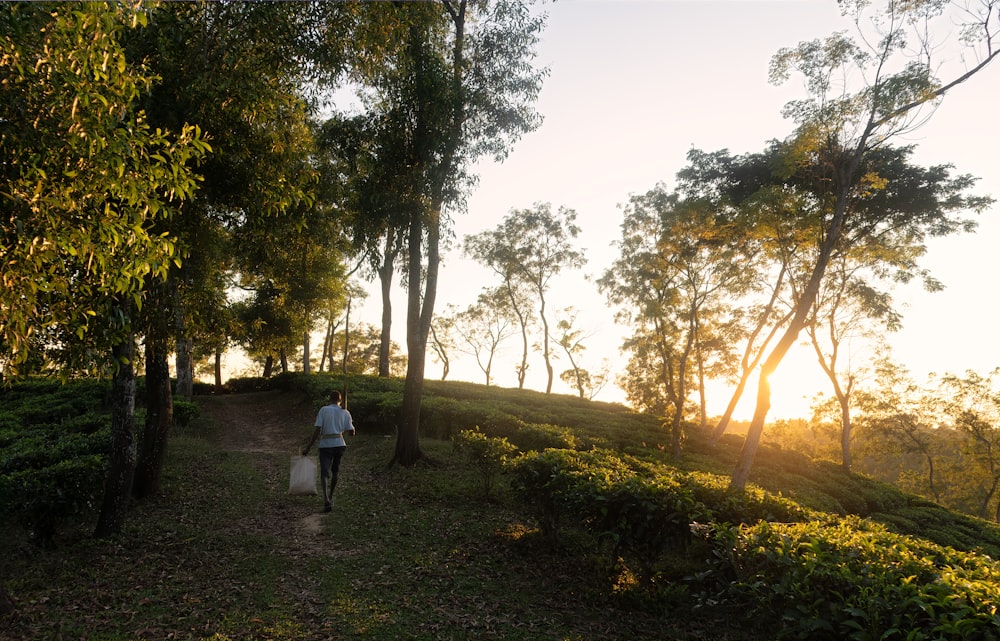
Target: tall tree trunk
(183, 364)
(418, 323)
(845, 432)
(702, 399)
(283, 360)
(326, 344)
(748, 365)
(442, 354)
(843, 182)
(676, 431)
(522, 320)
(545, 340)
(347, 338)
(122, 459)
(305, 353)
(218, 370)
(385, 274)
(268, 366)
(159, 419)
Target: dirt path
(265, 422)
(268, 425)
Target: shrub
(550, 482)
(53, 444)
(646, 517)
(488, 454)
(542, 436)
(853, 579)
(42, 498)
(185, 412)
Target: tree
(528, 249)
(83, 176)
(443, 339)
(836, 135)
(459, 86)
(493, 249)
(482, 328)
(681, 263)
(570, 338)
(364, 149)
(845, 310)
(972, 404)
(85, 181)
(899, 410)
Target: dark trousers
(329, 464)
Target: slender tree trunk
(408, 449)
(182, 355)
(442, 354)
(385, 274)
(843, 182)
(305, 353)
(545, 341)
(326, 348)
(268, 366)
(930, 476)
(306, 365)
(122, 460)
(283, 359)
(676, 430)
(159, 419)
(741, 474)
(218, 370)
(522, 320)
(845, 431)
(347, 338)
(749, 365)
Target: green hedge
(54, 440)
(854, 579)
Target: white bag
(302, 479)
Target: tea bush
(854, 579)
(488, 454)
(642, 511)
(53, 443)
(185, 413)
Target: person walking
(332, 422)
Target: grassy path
(225, 554)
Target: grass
(225, 554)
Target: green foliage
(787, 550)
(54, 440)
(542, 436)
(557, 482)
(185, 412)
(853, 579)
(488, 454)
(84, 176)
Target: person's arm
(312, 440)
(350, 421)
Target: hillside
(225, 553)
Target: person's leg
(338, 454)
(326, 458)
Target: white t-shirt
(333, 421)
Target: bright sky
(634, 85)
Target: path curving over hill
(266, 425)
(263, 422)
